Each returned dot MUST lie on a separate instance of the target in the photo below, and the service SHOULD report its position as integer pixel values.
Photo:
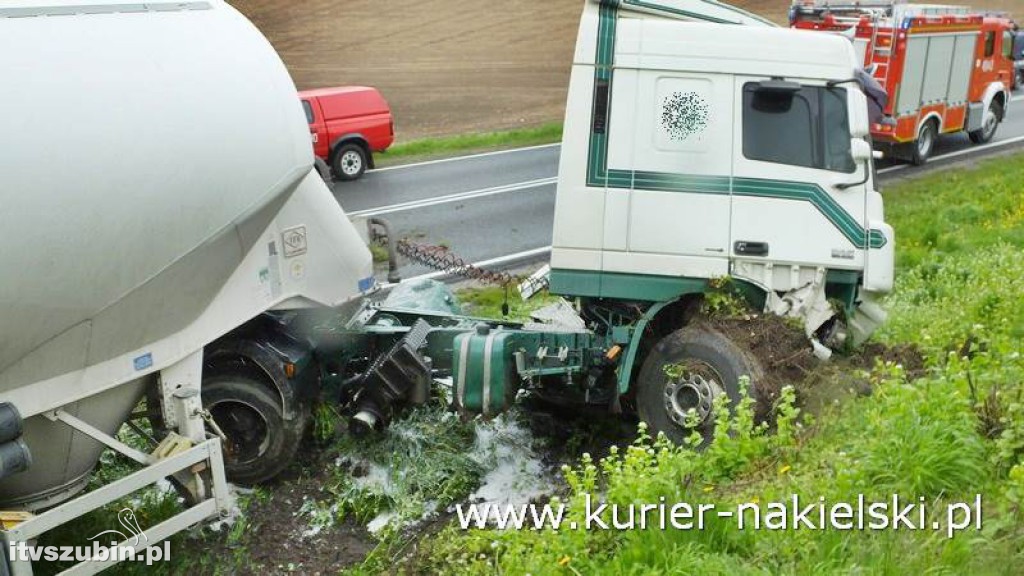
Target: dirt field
(446, 67)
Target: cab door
(669, 160)
(798, 197)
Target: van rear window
(309, 111)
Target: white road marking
(485, 192)
(468, 157)
(492, 262)
(958, 153)
(470, 195)
(546, 249)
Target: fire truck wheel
(922, 149)
(261, 443)
(682, 376)
(989, 125)
(349, 162)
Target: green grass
(953, 433)
(379, 253)
(956, 432)
(428, 148)
(486, 302)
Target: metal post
(181, 377)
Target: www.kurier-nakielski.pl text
(795, 513)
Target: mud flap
(486, 380)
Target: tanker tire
(261, 443)
(713, 357)
(990, 124)
(349, 162)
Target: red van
(348, 124)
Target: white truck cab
(696, 150)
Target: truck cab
(698, 161)
(348, 125)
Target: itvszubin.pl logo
(128, 544)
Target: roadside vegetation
(432, 148)
(488, 302)
(952, 433)
(944, 433)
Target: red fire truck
(945, 69)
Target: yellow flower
(564, 561)
(709, 488)
(785, 469)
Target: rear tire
(349, 162)
(714, 365)
(989, 125)
(261, 443)
(922, 148)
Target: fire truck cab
(946, 69)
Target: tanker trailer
(157, 191)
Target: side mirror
(861, 151)
(863, 155)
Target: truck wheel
(988, 127)
(921, 150)
(712, 365)
(261, 443)
(349, 162)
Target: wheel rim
(689, 400)
(351, 163)
(925, 142)
(991, 122)
(246, 429)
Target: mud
(276, 538)
(786, 356)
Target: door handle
(750, 248)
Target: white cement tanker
(156, 191)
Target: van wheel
(261, 443)
(988, 127)
(349, 162)
(922, 149)
(710, 365)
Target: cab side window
(1008, 45)
(309, 111)
(808, 128)
(990, 44)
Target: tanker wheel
(349, 162)
(989, 125)
(921, 150)
(260, 442)
(711, 366)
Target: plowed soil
(446, 67)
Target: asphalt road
(498, 208)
